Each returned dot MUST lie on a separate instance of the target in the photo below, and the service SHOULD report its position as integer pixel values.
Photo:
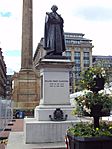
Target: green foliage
(88, 130)
(88, 76)
(89, 98)
(86, 101)
(92, 103)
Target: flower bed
(85, 136)
(93, 102)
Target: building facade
(105, 62)
(3, 71)
(39, 53)
(9, 87)
(79, 51)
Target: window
(86, 61)
(68, 49)
(77, 49)
(78, 58)
(75, 41)
(8, 82)
(77, 54)
(77, 61)
(68, 53)
(86, 54)
(86, 58)
(77, 69)
(86, 65)
(67, 41)
(86, 50)
(77, 65)
(72, 41)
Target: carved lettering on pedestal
(56, 83)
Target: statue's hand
(47, 13)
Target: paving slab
(16, 141)
(2, 146)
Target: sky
(92, 18)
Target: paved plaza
(16, 138)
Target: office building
(79, 51)
(105, 62)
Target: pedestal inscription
(55, 86)
(56, 83)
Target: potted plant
(93, 79)
(85, 136)
(93, 102)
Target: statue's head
(54, 8)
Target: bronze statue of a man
(54, 42)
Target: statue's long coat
(54, 36)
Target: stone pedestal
(55, 82)
(46, 131)
(54, 76)
(26, 90)
(42, 113)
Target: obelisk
(26, 91)
(27, 35)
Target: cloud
(5, 14)
(13, 63)
(95, 13)
(93, 18)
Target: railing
(6, 112)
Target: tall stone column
(26, 90)
(27, 35)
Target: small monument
(53, 115)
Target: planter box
(89, 143)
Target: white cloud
(96, 30)
(95, 13)
(13, 64)
(10, 30)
